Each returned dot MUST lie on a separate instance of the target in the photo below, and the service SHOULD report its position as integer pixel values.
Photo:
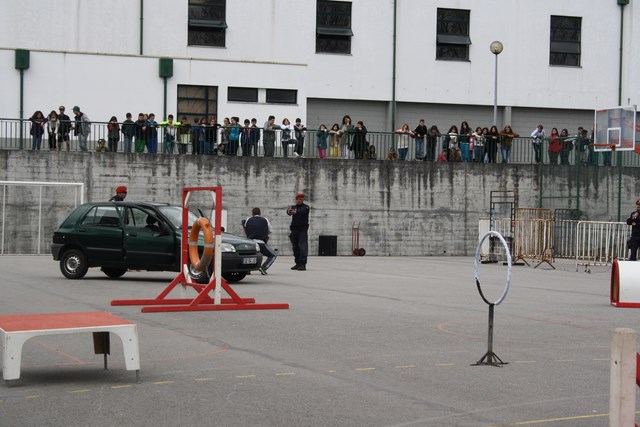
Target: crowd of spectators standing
(342, 140)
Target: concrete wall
(404, 208)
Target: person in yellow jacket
(170, 133)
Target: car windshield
(174, 214)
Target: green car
(121, 236)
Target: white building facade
(384, 62)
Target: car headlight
(227, 247)
(257, 247)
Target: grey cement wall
(404, 208)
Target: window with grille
(564, 48)
(197, 101)
(242, 94)
(452, 35)
(333, 27)
(282, 96)
(207, 23)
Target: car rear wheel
(234, 277)
(114, 273)
(73, 264)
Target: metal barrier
(564, 238)
(534, 240)
(599, 243)
(523, 214)
(565, 223)
(533, 235)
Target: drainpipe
(622, 4)
(22, 60)
(393, 76)
(141, 24)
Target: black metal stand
(490, 358)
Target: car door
(149, 244)
(100, 235)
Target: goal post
(43, 205)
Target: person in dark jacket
(64, 129)
(258, 228)
(299, 227)
(359, 144)
(128, 132)
(37, 129)
(420, 133)
(634, 241)
(141, 133)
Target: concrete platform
(367, 341)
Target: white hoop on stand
(477, 269)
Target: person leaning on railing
(359, 144)
(404, 134)
(113, 133)
(450, 143)
(491, 143)
(477, 139)
(53, 124)
(432, 143)
(464, 141)
(64, 129)
(38, 122)
(537, 137)
(567, 146)
(184, 135)
(346, 131)
(334, 144)
(321, 141)
(128, 132)
(555, 147)
(170, 132)
(506, 141)
(269, 136)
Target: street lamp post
(496, 48)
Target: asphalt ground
(367, 341)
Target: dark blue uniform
(298, 236)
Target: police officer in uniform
(299, 214)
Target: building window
(333, 27)
(565, 41)
(197, 101)
(242, 94)
(452, 36)
(282, 96)
(207, 23)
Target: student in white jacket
(538, 137)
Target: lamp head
(496, 47)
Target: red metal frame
(201, 302)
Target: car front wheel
(234, 277)
(201, 277)
(73, 264)
(114, 273)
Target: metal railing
(15, 135)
